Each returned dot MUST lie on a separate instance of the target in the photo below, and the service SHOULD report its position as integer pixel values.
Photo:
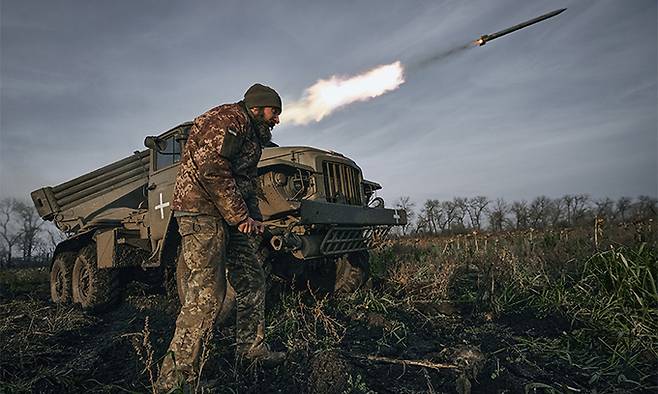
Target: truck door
(164, 167)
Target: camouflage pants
(246, 275)
(208, 244)
(204, 245)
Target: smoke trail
(327, 95)
(442, 55)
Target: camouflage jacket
(218, 173)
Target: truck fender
(73, 244)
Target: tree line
(462, 214)
(24, 237)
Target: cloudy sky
(565, 106)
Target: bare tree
(9, 233)
(520, 211)
(52, 236)
(497, 214)
(30, 224)
(475, 208)
(432, 214)
(623, 208)
(605, 208)
(581, 206)
(538, 212)
(554, 212)
(41, 251)
(646, 207)
(461, 205)
(568, 200)
(421, 224)
(448, 208)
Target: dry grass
(30, 331)
(569, 310)
(141, 342)
(601, 280)
(307, 322)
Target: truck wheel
(60, 277)
(228, 306)
(93, 288)
(182, 276)
(352, 272)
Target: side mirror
(155, 143)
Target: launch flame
(327, 95)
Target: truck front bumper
(313, 212)
(344, 228)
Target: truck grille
(341, 183)
(351, 239)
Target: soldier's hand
(250, 225)
(260, 227)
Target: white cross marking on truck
(161, 207)
(396, 216)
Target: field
(530, 312)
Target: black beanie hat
(262, 96)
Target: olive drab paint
(313, 202)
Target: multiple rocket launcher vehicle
(321, 215)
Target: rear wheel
(342, 275)
(61, 272)
(93, 288)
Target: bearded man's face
(268, 115)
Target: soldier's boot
(263, 355)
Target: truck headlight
(291, 183)
(280, 179)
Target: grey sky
(566, 106)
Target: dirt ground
(359, 344)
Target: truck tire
(61, 272)
(352, 272)
(182, 275)
(94, 289)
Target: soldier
(216, 207)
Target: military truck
(321, 217)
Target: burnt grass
(425, 322)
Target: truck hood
(305, 155)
